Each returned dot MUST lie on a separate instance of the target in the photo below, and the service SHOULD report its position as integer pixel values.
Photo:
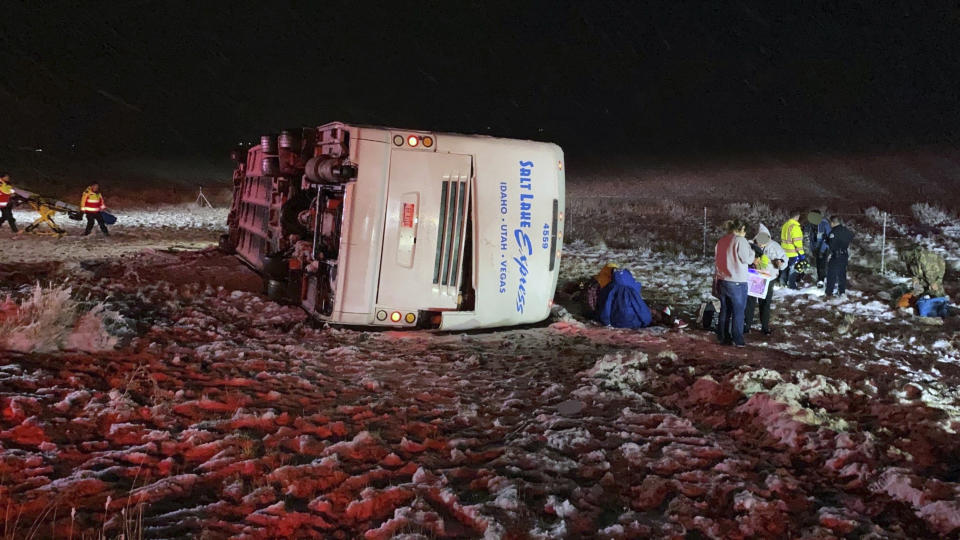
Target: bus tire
(276, 290)
(276, 267)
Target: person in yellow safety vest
(92, 204)
(6, 202)
(791, 240)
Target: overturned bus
(390, 227)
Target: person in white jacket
(733, 256)
(771, 260)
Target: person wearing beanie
(772, 258)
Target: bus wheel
(276, 267)
(277, 290)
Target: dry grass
(666, 225)
(50, 319)
(931, 215)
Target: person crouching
(92, 204)
(733, 256)
(772, 259)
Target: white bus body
(377, 226)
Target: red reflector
(395, 316)
(413, 140)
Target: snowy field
(153, 392)
(186, 226)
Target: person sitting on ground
(620, 303)
(771, 259)
(591, 291)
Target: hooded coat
(772, 252)
(622, 305)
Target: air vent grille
(454, 202)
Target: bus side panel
(516, 187)
(362, 234)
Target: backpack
(707, 316)
(932, 307)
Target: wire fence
(664, 225)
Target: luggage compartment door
(425, 227)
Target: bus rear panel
(377, 226)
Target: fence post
(883, 246)
(704, 231)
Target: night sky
(169, 79)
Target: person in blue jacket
(819, 235)
(621, 305)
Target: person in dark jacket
(839, 245)
(819, 232)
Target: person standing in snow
(92, 204)
(819, 233)
(732, 258)
(772, 259)
(839, 242)
(791, 239)
(6, 202)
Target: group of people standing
(784, 262)
(829, 242)
(92, 206)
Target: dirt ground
(220, 414)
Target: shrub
(756, 213)
(930, 215)
(876, 215)
(50, 319)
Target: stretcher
(47, 208)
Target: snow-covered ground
(215, 412)
(185, 226)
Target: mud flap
(226, 245)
